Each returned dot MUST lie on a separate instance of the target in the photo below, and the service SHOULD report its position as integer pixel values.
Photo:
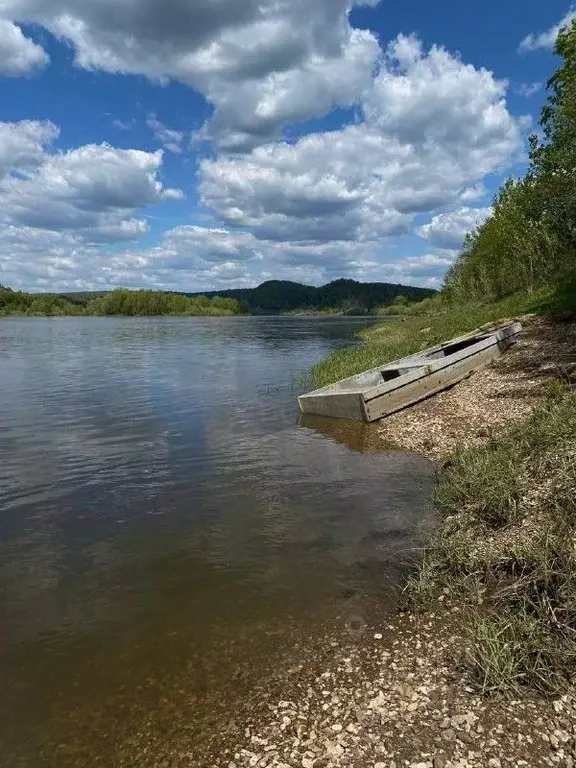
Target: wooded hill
(347, 296)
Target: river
(171, 533)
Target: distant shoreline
(346, 298)
(284, 316)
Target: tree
(530, 238)
(554, 160)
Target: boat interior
(375, 377)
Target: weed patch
(483, 482)
(506, 552)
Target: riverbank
(402, 697)
(493, 399)
(477, 671)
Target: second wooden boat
(376, 393)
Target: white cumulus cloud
(93, 190)
(262, 63)
(23, 145)
(547, 39)
(447, 230)
(19, 55)
(433, 128)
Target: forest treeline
(344, 296)
(132, 303)
(530, 239)
(272, 297)
(118, 302)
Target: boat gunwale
(435, 366)
(486, 339)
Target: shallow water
(171, 532)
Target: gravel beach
(401, 697)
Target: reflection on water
(170, 533)
(355, 435)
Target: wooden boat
(377, 393)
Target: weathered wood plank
(427, 386)
(340, 406)
(500, 341)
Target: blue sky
(200, 144)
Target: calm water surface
(171, 534)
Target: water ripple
(155, 484)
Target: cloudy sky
(197, 144)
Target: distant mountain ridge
(349, 296)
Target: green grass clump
(484, 482)
(498, 654)
(418, 330)
(527, 638)
(511, 653)
(509, 558)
